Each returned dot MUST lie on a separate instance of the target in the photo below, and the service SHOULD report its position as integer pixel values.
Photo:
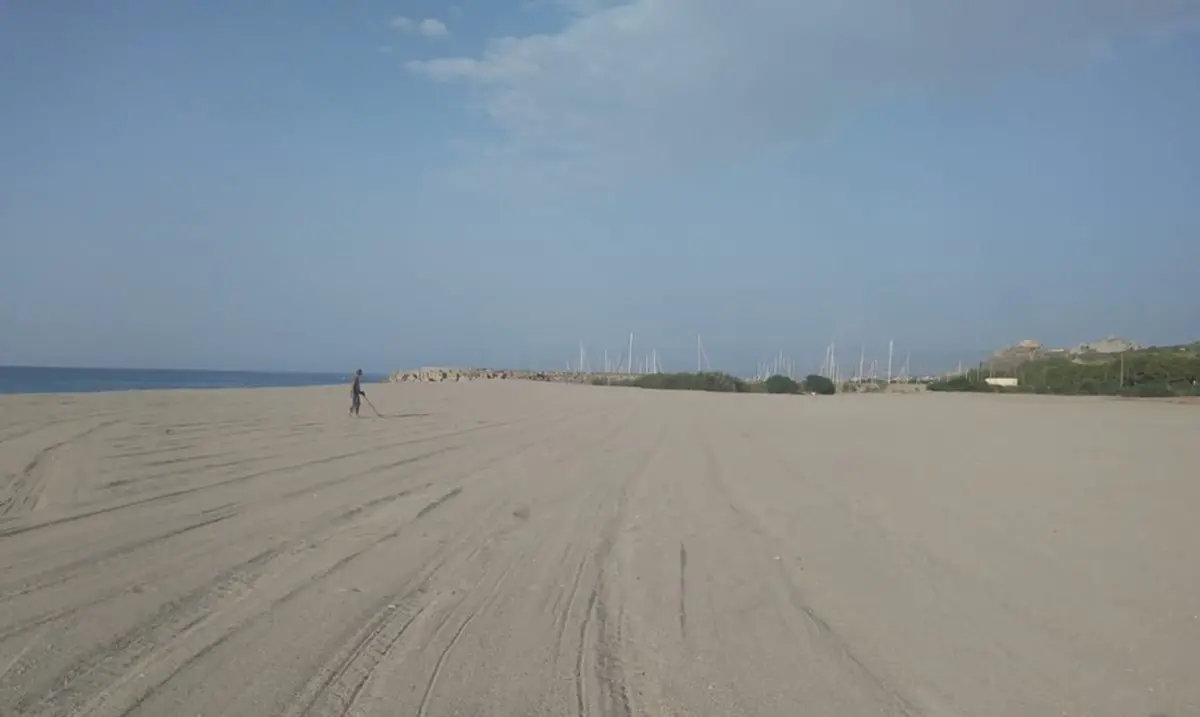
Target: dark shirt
(356, 388)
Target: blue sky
(332, 184)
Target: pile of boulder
(439, 374)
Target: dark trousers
(355, 403)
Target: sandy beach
(513, 548)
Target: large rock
(1013, 357)
(1110, 345)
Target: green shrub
(711, 381)
(961, 383)
(821, 385)
(781, 384)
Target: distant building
(1001, 381)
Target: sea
(37, 379)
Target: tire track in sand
(136, 649)
(149, 658)
(614, 696)
(137, 656)
(65, 572)
(176, 616)
(560, 609)
(431, 685)
(22, 432)
(58, 576)
(25, 489)
(835, 644)
(161, 497)
(344, 679)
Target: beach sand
(512, 548)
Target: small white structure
(1000, 381)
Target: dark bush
(718, 382)
(820, 385)
(781, 384)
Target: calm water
(23, 379)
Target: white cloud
(430, 27)
(660, 85)
(578, 7)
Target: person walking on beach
(355, 393)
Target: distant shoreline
(36, 380)
(281, 372)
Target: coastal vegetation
(721, 383)
(713, 381)
(820, 385)
(781, 384)
(1144, 372)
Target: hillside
(1111, 367)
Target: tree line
(723, 383)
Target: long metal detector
(376, 410)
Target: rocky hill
(1010, 358)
